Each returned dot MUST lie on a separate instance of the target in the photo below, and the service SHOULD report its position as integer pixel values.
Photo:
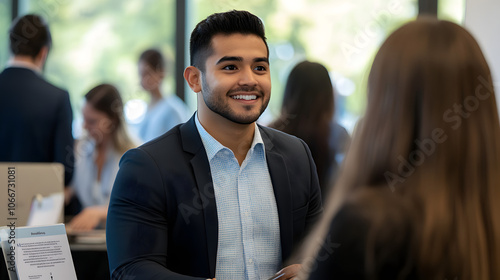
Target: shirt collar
(212, 146)
(23, 64)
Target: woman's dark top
(369, 238)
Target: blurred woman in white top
(98, 154)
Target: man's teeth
(245, 97)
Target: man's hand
(287, 273)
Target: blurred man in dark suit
(35, 116)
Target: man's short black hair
(28, 35)
(226, 23)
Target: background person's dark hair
(154, 59)
(222, 23)
(307, 112)
(28, 35)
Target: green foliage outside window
(98, 41)
(452, 10)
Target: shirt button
(250, 261)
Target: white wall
(482, 19)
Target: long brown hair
(307, 112)
(431, 138)
(107, 99)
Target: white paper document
(37, 253)
(46, 210)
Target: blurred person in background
(164, 112)
(35, 116)
(307, 112)
(98, 154)
(417, 198)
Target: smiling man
(218, 196)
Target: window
(100, 42)
(452, 10)
(342, 35)
(4, 31)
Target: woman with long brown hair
(418, 196)
(98, 153)
(307, 112)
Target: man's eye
(260, 68)
(229, 67)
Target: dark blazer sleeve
(137, 228)
(315, 208)
(63, 137)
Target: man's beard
(217, 104)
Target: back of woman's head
(308, 91)
(107, 99)
(431, 134)
(307, 112)
(429, 79)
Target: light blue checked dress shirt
(249, 244)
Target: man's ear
(41, 57)
(192, 75)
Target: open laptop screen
(21, 182)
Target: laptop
(23, 183)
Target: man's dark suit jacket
(35, 120)
(162, 219)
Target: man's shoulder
(292, 149)
(168, 152)
(167, 142)
(49, 87)
(282, 139)
(27, 78)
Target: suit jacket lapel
(192, 144)
(282, 193)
